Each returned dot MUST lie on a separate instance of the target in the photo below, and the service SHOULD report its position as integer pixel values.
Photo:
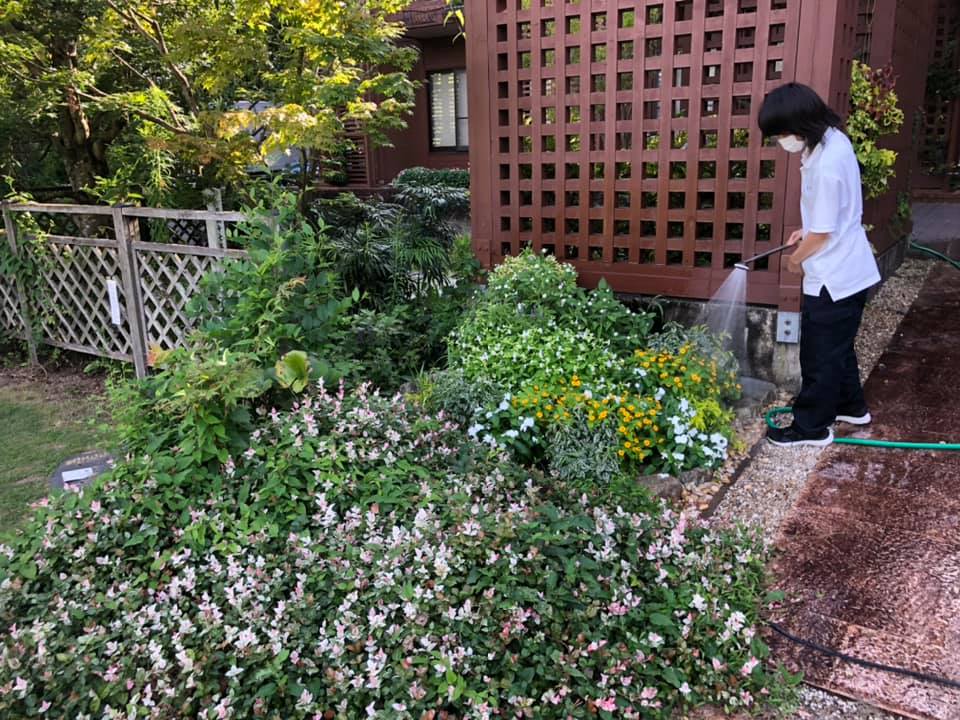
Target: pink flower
(648, 693)
(44, 707)
(748, 666)
(609, 703)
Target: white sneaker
(855, 419)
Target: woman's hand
(795, 237)
(794, 266)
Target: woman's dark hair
(795, 109)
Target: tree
(212, 85)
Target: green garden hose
(885, 443)
(870, 443)
(934, 253)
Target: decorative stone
(663, 486)
(80, 471)
(695, 478)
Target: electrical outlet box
(788, 327)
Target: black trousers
(828, 361)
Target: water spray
(743, 265)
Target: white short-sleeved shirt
(831, 201)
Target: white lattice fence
(75, 310)
(112, 296)
(10, 321)
(169, 278)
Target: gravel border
(773, 478)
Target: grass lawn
(43, 421)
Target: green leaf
(28, 570)
(660, 620)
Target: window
(448, 110)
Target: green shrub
(576, 450)
(284, 297)
(874, 113)
(360, 558)
(421, 176)
(198, 404)
(558, 352)
(460, 399)
(533, 322)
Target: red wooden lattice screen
(620, 136)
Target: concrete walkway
(869, 557)
(937, 225)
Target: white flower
(511, 434)
(474, 430)
(526, 424)
(234, 671)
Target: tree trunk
(83, 154)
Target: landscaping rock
(663, 486)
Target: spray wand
(743, 265)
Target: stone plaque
(80, 471)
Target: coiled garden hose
(870, 443)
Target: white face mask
(792, 144)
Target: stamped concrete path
(869, 557)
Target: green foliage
(172, 81)
(284, 296)
(382, 249)
(575, 450)
(360, 557)
(571, 364)
(534, 322)
(196, 408)
(702, 342)
(418, 177)
(449, 391)
(29, 265)
(873, 114)
(293, 371)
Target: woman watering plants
(835, 258)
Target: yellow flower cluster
(637, 417)
(638, 423)
(697, 377)
(548, 404)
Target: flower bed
(360, 559)
(567, 363)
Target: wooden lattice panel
(935, 142)
(168, 280)
(75, 306)
(623, 137)
(11, 324)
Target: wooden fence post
(216, 233)
(25, 317)
(130, 277)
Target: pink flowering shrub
(361, 560)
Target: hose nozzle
(744, 265)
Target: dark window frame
(465, 147)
